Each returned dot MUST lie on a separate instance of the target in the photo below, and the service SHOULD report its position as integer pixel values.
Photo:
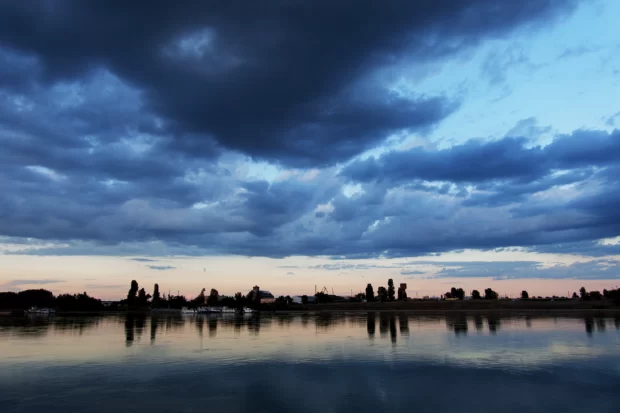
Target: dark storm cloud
(276, 81)
(121, 132)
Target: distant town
(257, 299)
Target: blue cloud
(411, 272)
(476, 161)
(161, 267)
(599, 269)
(30, 282)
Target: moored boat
(40, 311)
(188, 311)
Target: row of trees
(387, 294)
(46, 299)
(383, 294)
(613, 295)
(138, 298)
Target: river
(325, 362)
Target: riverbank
(466, 305)
(520, 307)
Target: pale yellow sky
(109, 277)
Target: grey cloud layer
(398, 214)
(21, 283)
(119, 140)
(596, 270)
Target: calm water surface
(376, 362)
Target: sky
(301, 145)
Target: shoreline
(314, 310)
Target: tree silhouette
(200, 298)
(26, 299)
(321, 297)
(131, 295)
(143, 298)
(304, 299)
(458, 293)
(595, 295)
(156, 296)
(475, 295)
(583, 293)
(239, 300)
(524, 295)
(382, 293)
(214, 297)
(370, 293)
(78, 302)
(575, 296)
(614, 296)
(489, 294)
(390, 290)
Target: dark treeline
(139, 299)
(46, 299)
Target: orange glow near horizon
(109, 278)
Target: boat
(228, 310)
(188, 311)
(40, 311)
(248, 310)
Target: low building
(261, 296)
(266, 297)
(297, 299)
